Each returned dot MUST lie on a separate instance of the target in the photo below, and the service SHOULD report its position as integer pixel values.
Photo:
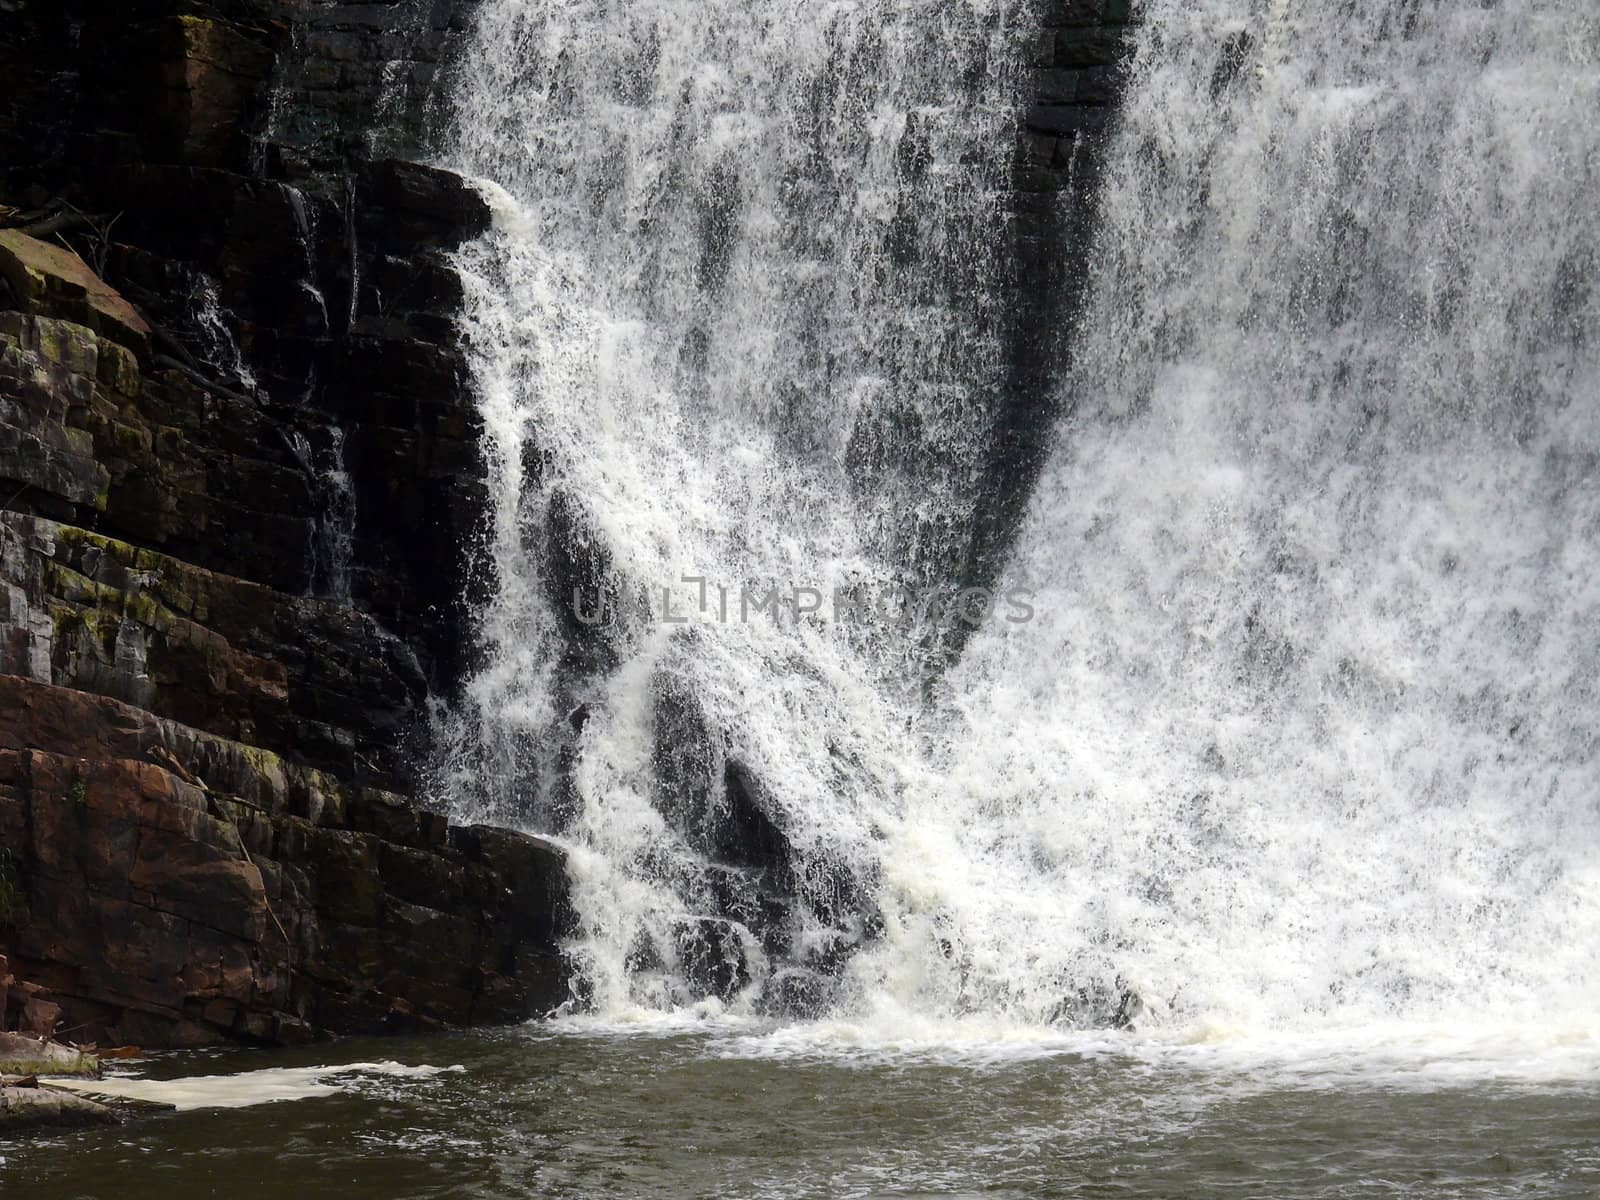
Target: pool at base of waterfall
(728, 1109)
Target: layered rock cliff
(238, 491)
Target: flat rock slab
(54, 282)
(24, 1055)
(123, 1104)
(24, 1109)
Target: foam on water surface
(246, 1088)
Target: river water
(588, 1110)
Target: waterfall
(1291, 722)
(218, 346)
(738, 335)
(1304, 732)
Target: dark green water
(539, 1112)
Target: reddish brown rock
(40, 1017)
(54, 282)
(210, 71)
(142, 915)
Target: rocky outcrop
(22, 1056)
(296, 675)
(29, 1108)
(744, 872)
(47, 278)
(239, 487)
(169, 887)
(305, 375)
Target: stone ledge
(52, 281)
(292, 674)
(25, 1109)
(248, 898)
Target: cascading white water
(218, 345)
(1305, 729)
(1302, 732)
(739, 323)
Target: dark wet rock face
(584, 588)
(711, 957)
(713, 800)
(744, 831)
(797, 994)
(1075, 72)
(239, 491)
(220, 178)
